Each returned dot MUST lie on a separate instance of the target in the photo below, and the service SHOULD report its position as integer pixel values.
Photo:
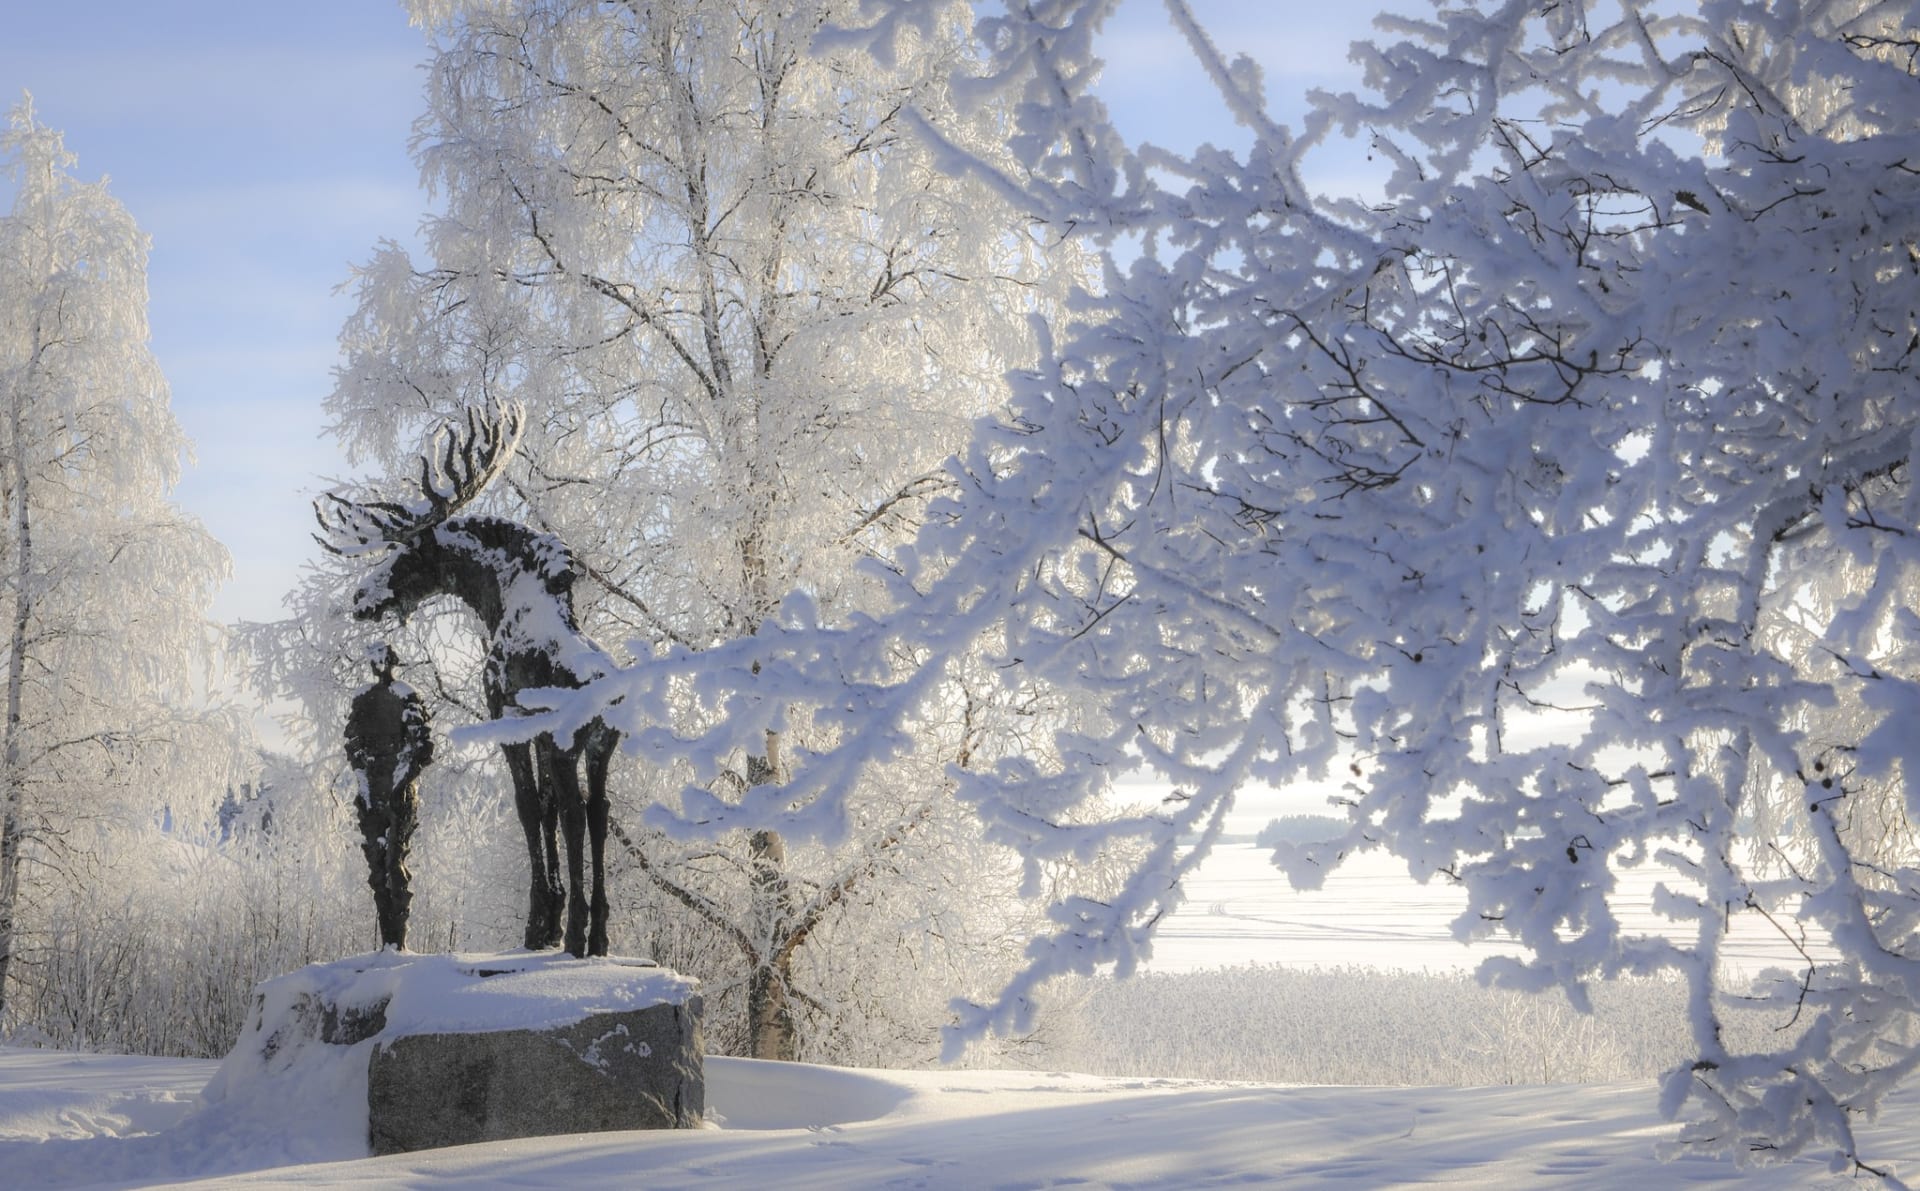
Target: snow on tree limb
(1608, 407)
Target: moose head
(428, 547)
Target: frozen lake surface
(1240, 909)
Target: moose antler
(454, 469)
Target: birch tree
(748, 315)
(106, 585)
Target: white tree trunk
(13, 775)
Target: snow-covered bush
(159, 955)
(1358, 1025)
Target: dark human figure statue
(520, 585)
(389, 744)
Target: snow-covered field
(72, 1120)
(75, 1120)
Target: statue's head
(454, 469)
(381, 657)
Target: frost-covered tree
(105, 588)
(748, 314)
(1559, 498)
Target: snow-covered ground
(71, 1120)
(74, 1120)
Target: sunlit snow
(72, 1120)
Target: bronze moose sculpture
(519, 584)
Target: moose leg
(599, 752)
(573, 822)
(551, 795)
(542, 903)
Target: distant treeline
(1299, 829)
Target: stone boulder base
(397, 1052)
(638, 1069)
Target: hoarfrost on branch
(1558, 502)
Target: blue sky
(263, 147)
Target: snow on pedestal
(421, 1051)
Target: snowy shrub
(162, 958)
(1359, 1025)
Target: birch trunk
(770, 1025)
(13, 775)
